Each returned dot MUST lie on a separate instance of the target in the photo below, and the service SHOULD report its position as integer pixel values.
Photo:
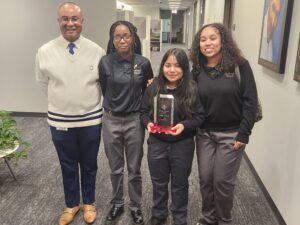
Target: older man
(66, 70)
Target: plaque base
(161, 129)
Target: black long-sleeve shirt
(228, 103)
(122, 89)
(190, 124)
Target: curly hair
(136, 47)
(186, 90)
(231, 54)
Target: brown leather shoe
(89, 213)
(68, 215)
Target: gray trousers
(124, 137)
(218, 165)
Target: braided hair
(231, 54)
(136, 46)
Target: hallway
(37, 196)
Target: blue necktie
(71, 47)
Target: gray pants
(218, 165)
(124, 135)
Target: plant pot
(6, 152)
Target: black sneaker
(137, 216)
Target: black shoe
(203, 221)
(114, 213)
(156, 221)
(137, 216)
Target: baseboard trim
(28, 114)
(265, 192)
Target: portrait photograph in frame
(297, 64)
(275, 31)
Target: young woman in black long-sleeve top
(170, 154)
(230, 106)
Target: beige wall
(190, 22)
(274, 147)
(25, 26)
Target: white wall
(197, 16)
(143, 25)
(274, 147)
(190, 34)
(25, 26)
(123, 6)
(146, 11)
(125, 15)
(185, 16)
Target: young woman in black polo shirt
(123, 75)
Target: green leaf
(10, 134)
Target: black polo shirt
(123, 89)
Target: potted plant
(10, 139)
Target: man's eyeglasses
(73, 19)
(125, 37)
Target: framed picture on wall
(297, 65)
(275, 34)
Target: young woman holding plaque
(230, 105)
(170, 153)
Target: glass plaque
(163, 113)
